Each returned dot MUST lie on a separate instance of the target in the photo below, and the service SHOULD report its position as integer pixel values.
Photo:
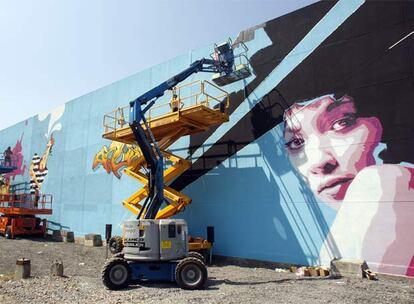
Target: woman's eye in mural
(348, 120)
(295, 143)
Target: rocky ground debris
(227, 283)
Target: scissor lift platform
(186, 120)
(18, 214)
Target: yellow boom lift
(156, 248)
(193, 108)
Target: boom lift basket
(241, 66)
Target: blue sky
(54, 51)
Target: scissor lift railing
(18, 214)
(201, 105)
(7, 166)
(241, 67)
(198, 111)
(25, 204)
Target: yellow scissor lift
(193, 108)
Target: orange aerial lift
(18, 214)
(18, 211)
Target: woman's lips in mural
(335, 186)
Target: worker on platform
(7, 156)
(175, 102)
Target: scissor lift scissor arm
(199, 112)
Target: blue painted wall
(259, 205)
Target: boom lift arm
(223, 64)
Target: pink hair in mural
(334, 150)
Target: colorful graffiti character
(4, 185)
(38, 170)
(115, 157)
(333, 149)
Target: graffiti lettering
(115, 157)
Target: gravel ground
(227, 283)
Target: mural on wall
(350, 146)
(17, 152)
(115, 157)
(18, 161)
(54, 120)
(38, 167)
(343, 98)
(345, 105)
(4, 185)
(329, 144)
(334, 148)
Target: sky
(54, 51)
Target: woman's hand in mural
(388, 238)
(382, 183)
(334, 149)
(376, 213)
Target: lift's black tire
(191, 273)
(206, 254)
(197, 255)
(115, 244)
(116, 274)
(8, 233)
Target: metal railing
(241, 56)
(192, 94)
(12, 162)
(20, 188)
(240, 51)
(26, 201)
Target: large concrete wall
(315, 162)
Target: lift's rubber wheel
(8, 233)
(115, 244)
(206, 254)
(116, 274)
(197, 255)
(191, 273)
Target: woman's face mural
(329, 144)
